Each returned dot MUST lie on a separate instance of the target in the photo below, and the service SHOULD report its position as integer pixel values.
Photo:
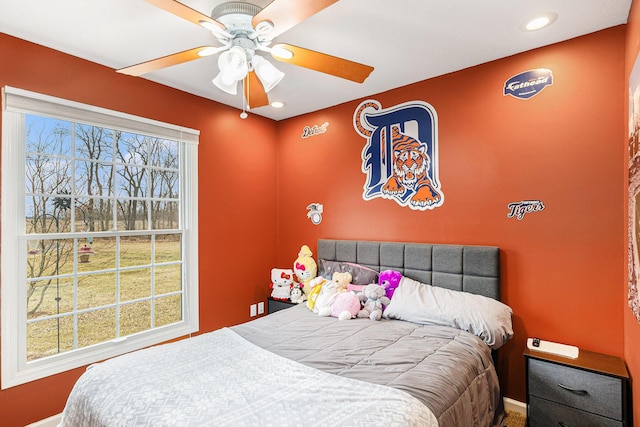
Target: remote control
(564, 350)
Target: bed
(296, 368)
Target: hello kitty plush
(281, 283)
(305, 268)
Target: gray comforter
(449, 370)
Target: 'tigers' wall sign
(520, 209)
(528, 84)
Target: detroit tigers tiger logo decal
(400, 157)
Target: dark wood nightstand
(591, 390)
(274, 305)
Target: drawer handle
(573, 390)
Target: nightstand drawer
(585, 390)
(543, 413)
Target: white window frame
(16, 103)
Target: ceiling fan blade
(254, 91)
(285, 14)
(169, 60)
(322, 62)
(185, 12)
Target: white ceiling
(404, 40)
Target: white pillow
(425, 304)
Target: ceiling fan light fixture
(268, 74)
(225, 84)
(233, 63)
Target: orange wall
(561, 268)
(237, 192)
(631, 325)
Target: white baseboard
(509, 404)
(515, 406)
(48, 422)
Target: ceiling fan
(244, 29)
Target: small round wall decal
(315, 213)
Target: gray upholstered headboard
(474, 269)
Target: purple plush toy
(389, 280)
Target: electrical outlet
(253, 310)
(261, 307)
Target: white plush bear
(281, 283)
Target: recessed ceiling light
(540, 21)
(277, 104)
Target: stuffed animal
(342, 279)
(297, 296)
(281, 283)
(346, 305)
(315, 286)
(337, 285)
(373, 297)
(389, 280)
(305, 268)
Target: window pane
(164, 215)
(47, 214)
(168, 279)
(135, 317)
(48, 136)
(103, 256)
(93, 142)
(168, 310)
(49, 257)
(96, 326)
(48, 297)
(164, 153)
(131, 181)
(93, 178)
(135, 284)
(42, 339)
(132, 215)
(164, 184)
(45, 174)
(135, 250)
(168, 248)
(49, 337)
(96, 290)
(132, 148)
(93, 214)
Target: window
(99, 234)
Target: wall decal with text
(520, 209)
(314, 130)
(528, 84)
(400, 157)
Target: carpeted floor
(515, 419)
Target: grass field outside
(108, 302)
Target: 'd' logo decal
(400, 157)
(528, 84)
